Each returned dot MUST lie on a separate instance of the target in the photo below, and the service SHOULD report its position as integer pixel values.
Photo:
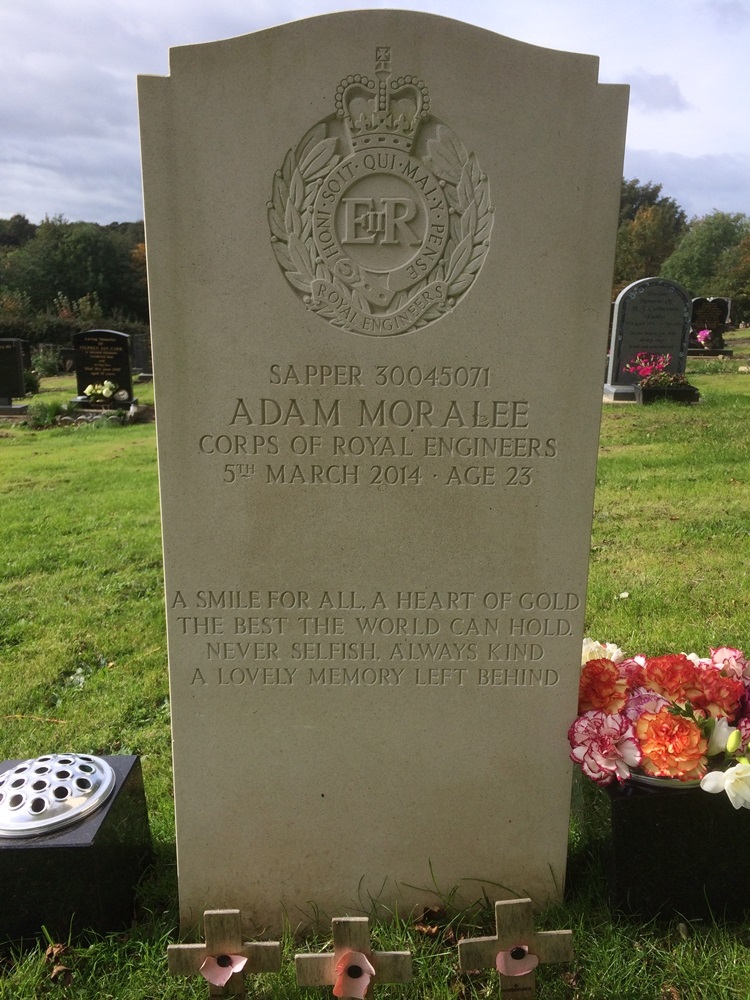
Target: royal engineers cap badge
(380, 218)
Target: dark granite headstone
(12, 383)
(710, 314)
(83, 876)
(650, 316)
(103, 356)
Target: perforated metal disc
(52, 792)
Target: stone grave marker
(103, 356)
(352, 966)
(652, 316)
(516, 949)
(712, 314)
(225, 950)
(375, 549)
(12, 383)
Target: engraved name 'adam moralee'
(268, 412)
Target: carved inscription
(380, 219)
(258, 639)
(439, 427)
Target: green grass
(83, 666)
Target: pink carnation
(604, 745)
(642, 700)
(732, 661)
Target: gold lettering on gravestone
(380, 218)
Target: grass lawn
(83, 667)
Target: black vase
(672, 393)
(678, 850)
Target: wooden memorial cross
(516, 949)
(352, 966)
(223, 945)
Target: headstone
(12, 383)
(375, 552)
(710, 315)
(103, 356)
(651, 316)
(82, 876)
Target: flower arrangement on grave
(100, 391)
(652, 372)
(675, 716)
(703, 337)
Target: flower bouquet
(652, 372)
(101, 391)
(678, 717)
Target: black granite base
(678, 852)
(85, 403)
(82, 877)
(684, 394)
(700, 352)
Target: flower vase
(675, 849)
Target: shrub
(31, 382)
(46, 360)
(42, 414)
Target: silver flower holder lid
(50, 793)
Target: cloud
(729, 13)
(655, 92)
(699, 184)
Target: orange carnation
(719, 695)
(673, 746)
(601, 687)
(674, 676)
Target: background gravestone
(651, 315)
(375, 552)
(710, 314)
(103, 355)
(12, 382)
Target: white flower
(106, 392)
(735, 781)
(720, 733)
(593, 650)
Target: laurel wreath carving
(290, 218)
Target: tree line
(59, 277)
(709, 255)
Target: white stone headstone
(380, 250)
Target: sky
(68, 113)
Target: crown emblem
(382, 112)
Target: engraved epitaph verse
(380, 219)
(274, 639)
